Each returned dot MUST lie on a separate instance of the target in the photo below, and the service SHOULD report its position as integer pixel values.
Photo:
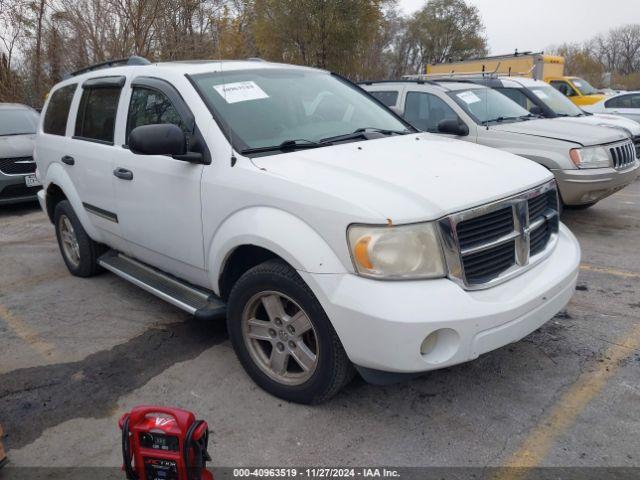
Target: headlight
(403, 252)
(590, 157)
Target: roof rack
(132, 60)
(459, 75)
(403, 79)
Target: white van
(331, 233)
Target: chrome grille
(487, 245)
(623, 155)
(17, 166)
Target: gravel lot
(75, 354)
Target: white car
(331, 232)
(590, 162)
(625, 104)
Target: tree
(329, 34)
(441, 31)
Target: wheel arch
(261, 233)
(62, 188)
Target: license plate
(32, 181)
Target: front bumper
(589, 185)
(14, 190)
(382, 324)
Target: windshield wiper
(286, 145)
(359, 133)
(501, 119)
(18, 133)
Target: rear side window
(149, 107)
(424, 111)
(97, 114)
(389, 98)
(624, 101)
(55, 118)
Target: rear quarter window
(389, 98)
(55, 118)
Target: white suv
(331, 233)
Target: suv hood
(585, 135)
(405, 178)
(16, 146)
(630, 127)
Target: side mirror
(453, 127)
(536, 110)
(161, 139)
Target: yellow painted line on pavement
(564, 413)
(26, 333)
(609, 271)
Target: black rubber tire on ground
(89, 249)
(333, 371)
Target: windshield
(18, 122)
(271, 106)
(485, 105)
(583, 86)
(556, 101)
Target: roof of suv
(185, 67)
(442, 84)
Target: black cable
(126, 451)
(201, 454)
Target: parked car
(538, 65)
(625, 104)
(18, 182)
(540, 98)
(589, 162)
(576, 89)
(331, 232)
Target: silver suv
(589, 162)
(18, 182)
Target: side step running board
(200, 303)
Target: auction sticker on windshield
(540, 94)
(240, 92)
(469, 97)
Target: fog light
(429, 343)
(440, 345)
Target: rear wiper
(359, 133)
(286, 145)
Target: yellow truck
(549, 68)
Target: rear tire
(79, 252)
(283, 337)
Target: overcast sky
(537, 24)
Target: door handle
(68, 160)
(123, 173)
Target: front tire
(79, 252)
(283, 338)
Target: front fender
(549, 158)
(278, 231)
(57, 175)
